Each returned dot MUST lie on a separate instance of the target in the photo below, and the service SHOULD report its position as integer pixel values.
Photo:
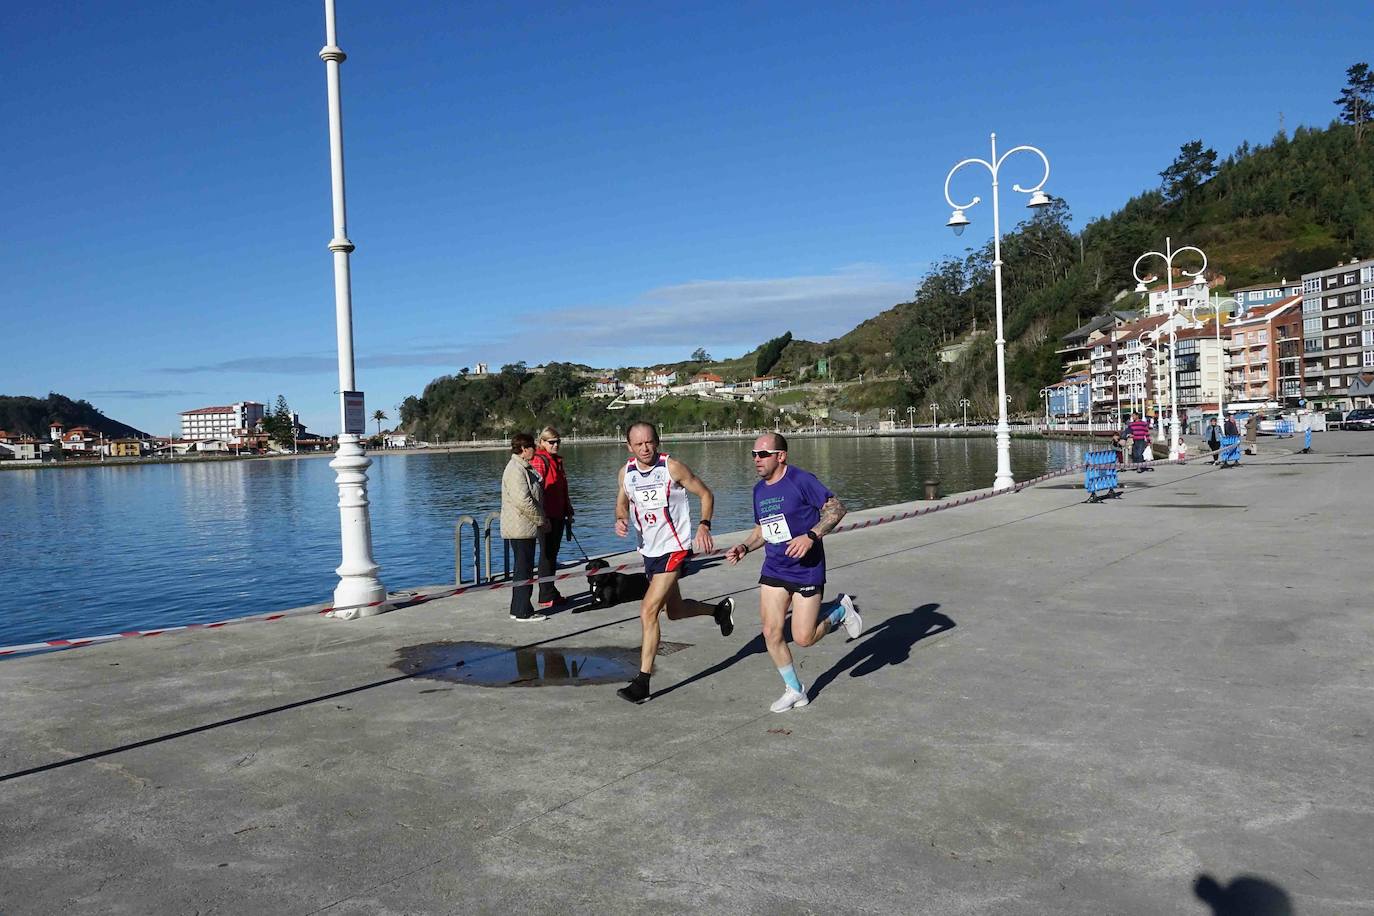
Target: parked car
(1359, 418)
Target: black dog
(614, 588)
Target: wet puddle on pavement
(486, 664)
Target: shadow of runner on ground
(888, 643)
(1246, 895)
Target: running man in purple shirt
(793, 511)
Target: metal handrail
(464, 521)
(505, 547)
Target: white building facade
(221, 422)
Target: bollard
(932, 489)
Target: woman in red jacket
(548, 464)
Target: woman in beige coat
(522, 519)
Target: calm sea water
(98, 550)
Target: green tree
(1356, 100)
(770, 353)
(1188, 171)
(379, 416)
(699, 355)
(916, 350)
(278, 424)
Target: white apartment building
(221, 422)
(1187, 292)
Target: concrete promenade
(1057, 708)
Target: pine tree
(1356, 100)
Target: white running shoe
(851, 621)
(791, 699)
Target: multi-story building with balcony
(1261, 294)
(1188, 291)
(1338, 331)
(1265, 354)
(1078, 344)
(221, 422)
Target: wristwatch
(706, 522)
(815, 538)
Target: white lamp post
(1115, 383)
(1217, 307)
(1168, 255)
(934, 410)
(1046, 393)
(739, 427)
(358, 582)
(958, 221)
(911, 419)
(963, 402)
(891, 412)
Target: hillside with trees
(32, 416)
(1262, 213)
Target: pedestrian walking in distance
(522, 520)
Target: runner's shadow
(889, 643)
(1247, 895)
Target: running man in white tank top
(652, 496)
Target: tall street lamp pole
(963, 402)
(934, 410)
(358, 582)
(1167, 256)
(911, 419)
(958, 221)
(1047, 393)
(1217, 307)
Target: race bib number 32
(651, 497)
(775, 530)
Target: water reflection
(96, 550)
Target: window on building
(1262, 336)
(1352, 340)
(1311, 305)
(1367, 294)
(1367, 338)
(1350, 298)
(1367, 274)
(1311, 324)
(1312, 345)
(1333, 321)
(1333, 362)
(1334, 382)
(1368, 358)
(1350, 279)
(1312, 284)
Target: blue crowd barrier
(1230, 451)
(1100, 475)
(1283, 429)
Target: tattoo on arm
(831, 514)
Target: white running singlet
(659, 507)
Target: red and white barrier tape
(77, 642)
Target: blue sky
(606, 183)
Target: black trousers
(523, 549)
(549, 542)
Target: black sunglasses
(764, 453)
(553, 441)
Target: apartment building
(1188, 291)
(1262, 294)
(1337, 330)
(1265, 353)
(221, 422)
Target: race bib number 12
(775, 530)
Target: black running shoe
(637, 691)
(725, 616)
